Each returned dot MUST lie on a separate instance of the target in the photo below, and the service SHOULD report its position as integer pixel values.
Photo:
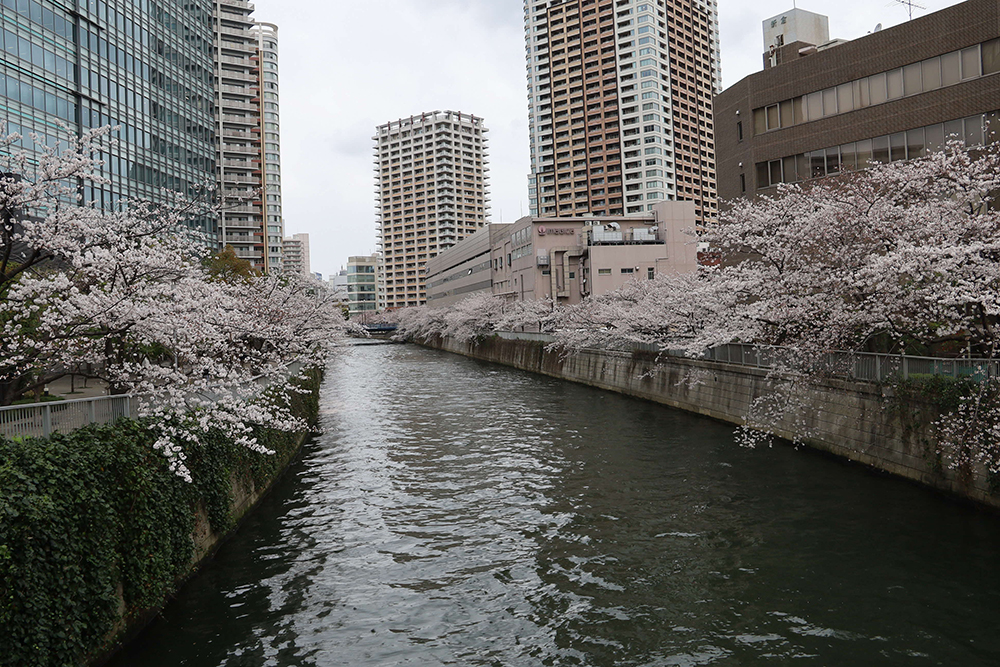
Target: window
(971, 62)
(814, 106)
(897, 146)
(974, 131)
(877, 88)
(628, 270)
(845, 97)
(991, 56)
(915, 146)
(763, 176)
(848, 157)
(604, 272)
(774, 170)
(833, 160)
(743, 183)
(880, 150)
(787, 114)
(817, 164)
(931, 73)
(951, 68)
(934, 137)
(912, 76)
(829, 101)
(773, 117)
(650, 273)
(739, 131)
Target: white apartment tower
(432, 190)
(295, 251)
(237, 132)
(270, 129)
(249, 174)
(620, 105)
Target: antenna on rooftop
(878, 27)
(909, 4)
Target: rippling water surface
(459, 513)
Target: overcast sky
(348, 66)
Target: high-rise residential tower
(145, 67)
(295, 255)
(432, 190)
(620, 105)
(362, 286)
(238, 118)
(267, 45)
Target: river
(460, 513)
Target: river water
(460, 513)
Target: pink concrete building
(567, 259)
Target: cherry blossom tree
(900, 255)
(123, 296)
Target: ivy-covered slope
(95, 531)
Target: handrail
(43, 419)
(40, 420)
(863, 366)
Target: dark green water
(457, 513)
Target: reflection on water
(458, 513)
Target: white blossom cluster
(475, 317)
(124, 297)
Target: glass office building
(145, 66)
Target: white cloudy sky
(348, 66)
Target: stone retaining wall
(859, 421)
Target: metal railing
(862, 366)
(43, 419)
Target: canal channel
(459, 513)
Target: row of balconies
(232, 151)
(244, 224)
(240, 62)
(240, 179)
(245, 91)
(237, 75)
(240, 120)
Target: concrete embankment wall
(863, 422)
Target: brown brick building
(819, 109)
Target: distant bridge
(380, 329)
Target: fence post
(906, 367)
(46, 421)
(128, 407)
(91, 413)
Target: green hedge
(94, 516)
